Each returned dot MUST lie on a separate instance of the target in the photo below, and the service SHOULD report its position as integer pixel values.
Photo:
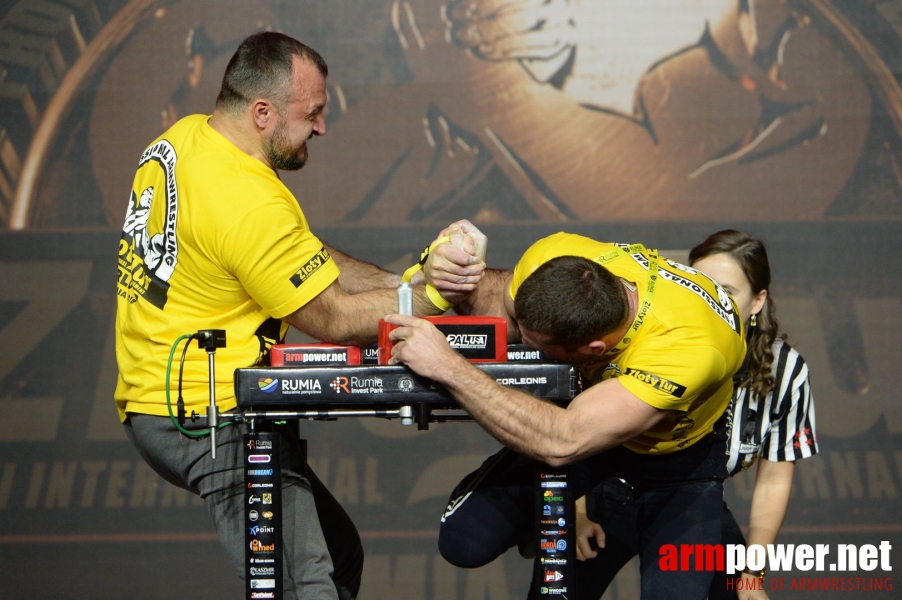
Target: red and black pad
(478, 339)
(300, 355)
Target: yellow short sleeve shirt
(212, 240)
(684, 353)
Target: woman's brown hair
(751, 256)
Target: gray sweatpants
(308, 567)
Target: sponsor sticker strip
(556, 552)
(262, 510)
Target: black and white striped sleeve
(792, 425)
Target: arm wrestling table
(386, 391)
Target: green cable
(188, 432)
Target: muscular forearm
(358, 276)
(605, 415)
(489, 299)
(600, 418)
(337, 317)
(517, 420)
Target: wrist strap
(431, 292)
(436, 298)
(409, 273)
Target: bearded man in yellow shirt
(214, 240)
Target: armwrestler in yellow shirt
(658, 344)
(214, 240)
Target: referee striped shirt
(779, 427)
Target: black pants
(611, 505)
(678, 501)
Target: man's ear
(596, 347)
(263, 113)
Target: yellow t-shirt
(687, 345)
(212, 240)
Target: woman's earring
(753, 322)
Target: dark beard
(279, 155)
